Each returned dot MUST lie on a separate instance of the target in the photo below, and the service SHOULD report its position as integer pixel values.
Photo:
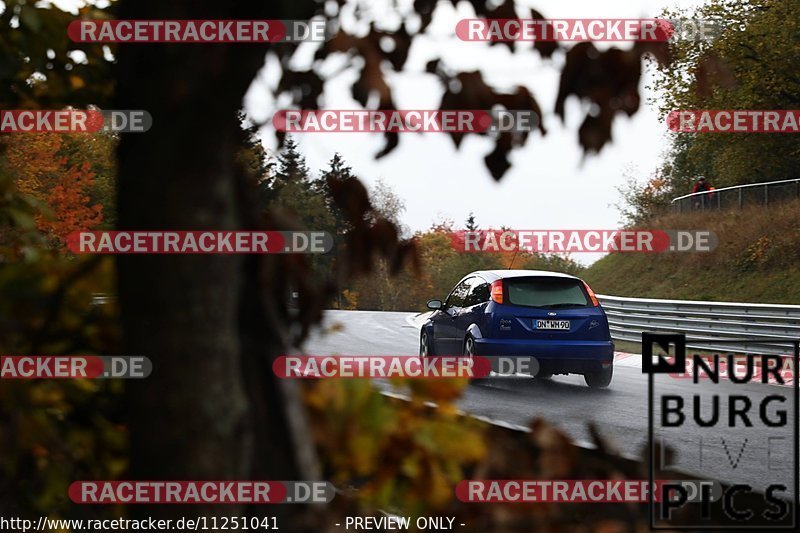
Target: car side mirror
(435, 304)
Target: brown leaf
(351, 197)
(372, 82)
(713, 72)
(432, 67)
(468, 90)
(522, 99)
(608, 79)
(595, 131)
(545, 48)
(305, 87)
(484, 9)
(497, 161)
(400, 44)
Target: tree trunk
(196, 416)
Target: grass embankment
(757, 260)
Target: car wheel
(425, 349)
(469, 347)
(469, 351)
(601, 379)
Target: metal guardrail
(766, 327)
(738, 196)
(776, 325)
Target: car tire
(468, 350)
(601, 379)
(425, 345)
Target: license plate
(552, 324)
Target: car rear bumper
(556, 357)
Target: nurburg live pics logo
(731, 413)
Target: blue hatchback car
(552, 317)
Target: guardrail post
(740, 197)
(719, 201)
(797, 188)
(766, 195)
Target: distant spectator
(702, 186)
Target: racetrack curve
(619, 412)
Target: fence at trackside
(706, 322)
(738, 196)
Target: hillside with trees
(751, 65)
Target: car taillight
(589, 290)
(497, 291)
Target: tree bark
(196, 416)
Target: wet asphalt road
(620, 412)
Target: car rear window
(546, 292)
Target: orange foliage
(41, 172)
(71, 205)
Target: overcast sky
(550, 185)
